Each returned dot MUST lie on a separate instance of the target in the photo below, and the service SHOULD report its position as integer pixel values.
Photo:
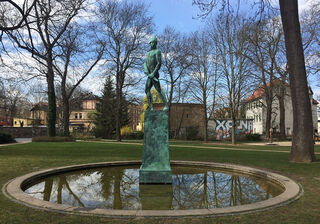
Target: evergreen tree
(105, 115)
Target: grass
(17, 160)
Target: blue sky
(181, 15)
(176, 13)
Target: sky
(181, 15)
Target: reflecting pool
(118, 188)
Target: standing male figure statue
(151, 69)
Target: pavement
(286, 143)
(19, 141)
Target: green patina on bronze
(155, 166)
(151, 69)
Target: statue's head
(153, 42)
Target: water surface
(118, 188)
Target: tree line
(217, 66)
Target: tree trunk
(302, 149)
(118, 114)
(205, 119)
(282, 113)
(51, 100)
(66, 120)
(233, 130)
(269, 112)
(169, 104)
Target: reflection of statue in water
(151, 69)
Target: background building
(256, 110)
(81, 118)
(185, 117)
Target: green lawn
(17, 160)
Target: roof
(260, 91)
(89, 96)
(40, 106)
(315, 102)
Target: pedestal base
(155, 168)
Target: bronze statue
(151, 69)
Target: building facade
(81, 119)
(256, 110)
(184, 116)
(134, 114)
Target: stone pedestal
(155, 168)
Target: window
(80, 115)
(76, 116)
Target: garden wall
(24, 132)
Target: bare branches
(23, 11)
(128, 26)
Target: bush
(6, 138)
(253, 137)
(134, 135)
(125, 131)
(83, 136)
(192, 132)
(53, 139)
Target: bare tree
(231, 44)
(10, 19)
(204, 77)
(177, 59)
(310, 31)
(48, 20)
(128, 27)
(81, 51)
(264, 39)
(302, 149)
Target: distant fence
(24, 132)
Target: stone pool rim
(292, 191)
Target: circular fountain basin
(113, 189)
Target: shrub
(53, 139)
(6, 138)
(192, 132)
(253, 137)
(138, 135)
(126, 131)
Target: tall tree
(47, 23)
(104, 122)
(127, 26)
(176, 61)
(81, 51)
(302, 149)
(264, 39)
(204, 74)
(231, 44)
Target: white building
(318, 113)
(256, 110)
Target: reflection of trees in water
(209, 189)
(118, 188)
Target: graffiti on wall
(223, 128)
